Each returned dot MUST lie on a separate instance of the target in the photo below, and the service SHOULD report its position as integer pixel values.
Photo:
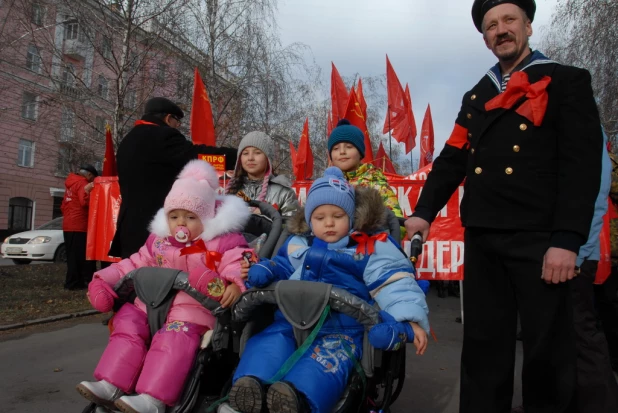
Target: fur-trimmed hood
(367, 217)
(231, 215)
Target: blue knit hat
(331, 189)
(344, 132)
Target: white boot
(100, 392)
(141, 403)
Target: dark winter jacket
(149, 159)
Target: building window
(56, 211)
(20, 214)
(68, 75)
(131, 99)
(64, 160)
(161, 68)
(29, 106)
(106, 47)
(33, 59)
(38, 14)
(99, 127)
(25, 153)
(67, 125)
(71, 31)
(103, 87)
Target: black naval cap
(480, 7)
(163, 105)
(89, 168)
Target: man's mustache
(505, 37)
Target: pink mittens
(101, 295)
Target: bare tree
(584, 33)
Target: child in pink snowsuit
(156, 367)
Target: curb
(47, 320)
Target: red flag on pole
(396, 110)
(361, 97)
(383, 162)
(338, 94)
(109, 162)
(303, 167)
(329, 126)
(427, 147)
(202, 125)
(354, 114)
(405, 131)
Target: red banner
(442, 257)
(217, 161)
(102, 218)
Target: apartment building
(65, 72)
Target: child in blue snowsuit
(335, 241)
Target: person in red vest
(75, 226)
(149, 159)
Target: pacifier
(182, 234)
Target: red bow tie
(199, 247)
(366, 243)
(534, 107)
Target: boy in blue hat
(336, 240)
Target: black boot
(282, 397)
(247, 395)
(442, 291)
(453, 289)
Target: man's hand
(420, 338)
(230, 295)
(89, 187)
(416, 224)
(558, 265)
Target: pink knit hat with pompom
(195, 190)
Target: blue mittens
(262, 274)
(390, 334)
(424, 284)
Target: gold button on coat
(523, 126)
(478, 170)
(472, 150)
(516, 148)
(469, 135)
(469, 116)
(508, 170)
(473, 97)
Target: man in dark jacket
(75, 226)
(528, 143)
(149, 159)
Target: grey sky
(432, 44)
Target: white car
(46, 243)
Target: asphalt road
(41, 366)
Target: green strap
(293, 359)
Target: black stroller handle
(301, 293)
(163, 277)
(416, 247)
(271, 213)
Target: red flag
(383, 162)
(405, 131)
(354, 114)
(303, 167)
(361, 97)
(329, 126)
(109, 162)
(338, 94)
(427, 147)
(396, 110)
(292, 154)
(202, 125)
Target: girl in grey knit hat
(254, 175)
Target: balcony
(70, 91)
(76, 48)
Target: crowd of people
(528, 145)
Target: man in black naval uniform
(149, 159)
(528, 143)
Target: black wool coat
(519, 176)
(149, 159)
